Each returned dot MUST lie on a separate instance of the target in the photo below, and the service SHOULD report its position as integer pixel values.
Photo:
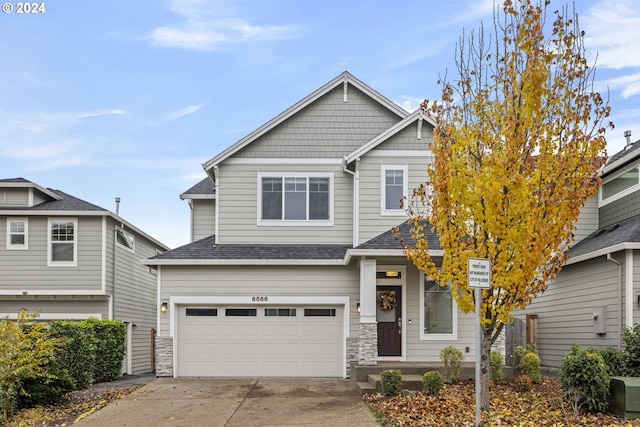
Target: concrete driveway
(213, 402)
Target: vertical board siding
(238, 195)
(329, 128)
(28, 270)
(203, 217)
(565, 309)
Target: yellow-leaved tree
(517, 145)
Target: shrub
(110, 347)
(631, 340)
(391, 382)
(584, 380)
(496, 361)
(519, 352)
(614, 359)
(78, 355)
(523, 383)
(530, 366)
(432, 382)
(452, 358)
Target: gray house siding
(15, 197)
(28, 271)
(203, 217)
(329, 128)
(587, 222)
(371, 220)
(565, 310)
(238, 198)
(59, 308)
(621, 209)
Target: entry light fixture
(358, 307)
(164, 307)
(392, 273)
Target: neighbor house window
(620, 185)
(63, 242)
(17, 234)
(295, 199)
(439, 311)
(393, 189)
(125, 239)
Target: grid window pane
(295, 199)
(271, 198)
(394, 188)
(62, 241)
(318, 198)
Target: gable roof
(402, 124)
(612, 238)
(23, 183)
(623, 157)
(343, 79)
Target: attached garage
(282, 340)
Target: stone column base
(164, 356)
(368, 344)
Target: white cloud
(204, 27)
(182, 112)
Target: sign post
(478, 277)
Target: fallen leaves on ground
(455, 407)
(69, 408)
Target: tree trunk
(485, 372)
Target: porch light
(164, 307)
(392, 273)
(358, 307)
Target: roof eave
(602, 252)
(161, 262)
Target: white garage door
(276, 341)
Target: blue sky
(109, 98)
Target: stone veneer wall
(368, 344)
(352, 353)
(164, 356)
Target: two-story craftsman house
(66, 258)
(293, 269)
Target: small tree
(24, 353)
(517, 144)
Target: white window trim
(383, 189)
(295, 223)
(24, 247)
(115, 237)
(621, 194)
(437, 337)
(73, 263)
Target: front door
(389, 317)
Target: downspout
(216, 182)
(629, 288)
(620, 319)
(356, 198)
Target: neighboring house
(69, 259)
(597, 293)
(293, 269)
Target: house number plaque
(259, 299)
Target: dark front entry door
(388, 315)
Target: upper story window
(63, 248)
(620, 185)
(295, 199)
(17, 234)
(126, 240)
(439, 320)
(393, 189)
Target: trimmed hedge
(110, 347)
(78, 354)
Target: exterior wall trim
(57, 316)
(604, 252)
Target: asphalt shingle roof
(627, 231)
(207, 249)
(388, 239)
(203, 187)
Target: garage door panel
(274, 345)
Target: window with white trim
(63, 248)
(17, 234)
(393, 180)
(438, 317)
(620, 185)
(125, 240)
(295, 199)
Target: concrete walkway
(214, 402)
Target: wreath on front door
(387, 300)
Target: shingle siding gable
(620, 210)
(328, 128)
